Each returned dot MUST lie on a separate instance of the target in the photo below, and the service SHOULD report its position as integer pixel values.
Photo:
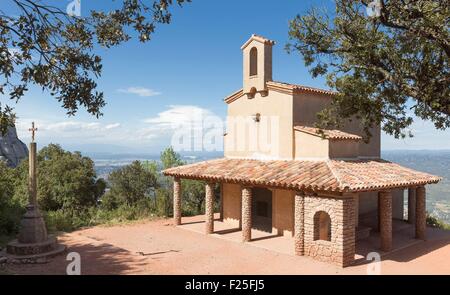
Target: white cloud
(76, 130)
(140, 91)
(176, 117)
(112, 126)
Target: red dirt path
(157, 247)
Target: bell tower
(257, 65)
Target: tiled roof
(326, 175)
(297, 88)
(330, 134)
(282, 87)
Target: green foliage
(67, 181)
(130, 184)
(169, 158)
(42, 45)
(385, 68)
(193, 196)
(10, 210)
(437, 223)
(71, 197)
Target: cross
(32, 130)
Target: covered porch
(402, 237)
(324, 206)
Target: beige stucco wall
(305, 109)
(343, 148)
(308, 145)
(232, 204)
(313, 146)
(282, 209)
(246, 138)
(283, 212)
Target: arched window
(253, 61)
(322, 226)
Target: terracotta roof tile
(259, 39)
(331, 134)
(297, 88)
(326, 175)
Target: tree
(169, 158)
(10, 211)
(385, 66)
(66, 181)
(45, 46)
(193, 191)
(130, 184)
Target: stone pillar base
(32, 227)
(33, 244)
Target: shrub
(437, 223)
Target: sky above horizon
(187, 68)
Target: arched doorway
(322, 226)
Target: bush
(437, 223)
(10, 210)
(130, 184)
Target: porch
(402, 237)
(318, 206)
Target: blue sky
(188, 66)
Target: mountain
(12, 149)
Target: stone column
(421, 214)
(246, 214)
(356, 205)
(177, 201)
(385, 199)
(209, 208)
(221, 202)
(32, 225)
(32, 187)
(411, 205)
(299, 224)
(346, 232)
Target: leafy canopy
(130, 184)
(45, 46)
(386, 67)
(66, 181)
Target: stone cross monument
(33, 243)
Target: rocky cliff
(12, 150)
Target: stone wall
(340, 249)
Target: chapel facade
(324, 189)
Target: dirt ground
(157, 247)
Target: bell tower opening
(253, 61)
(257, 65)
